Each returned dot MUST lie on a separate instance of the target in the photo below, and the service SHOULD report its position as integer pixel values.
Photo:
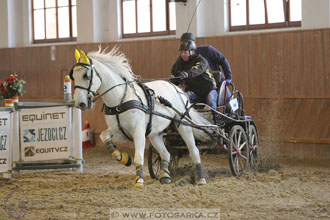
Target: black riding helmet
(187, 45)
(187, 36)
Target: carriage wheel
(254, 142)
(238, 151)
(153, 162)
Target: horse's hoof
(201, 181)
(138, 185)
(129, 161)
(165, 180)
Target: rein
(129, 82)
(166, 79)
(108, 90)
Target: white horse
(110, 75)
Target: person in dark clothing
(216, 60)
(194, 72)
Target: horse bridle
(89, 76)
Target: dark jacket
(215, 60)
(200, 80)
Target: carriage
(240, 140)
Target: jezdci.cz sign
(4, 141)
(44, 133)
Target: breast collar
(134, 104)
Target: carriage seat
(221, 88)
(218, 76)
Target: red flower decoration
(12, 86)
(3, 91)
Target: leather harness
(134, 104)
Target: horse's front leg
(139, 143)
(122, 157)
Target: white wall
(210, 16)
(3, 24)
(97, 21)
(85, 21)
(114, 20)
(27, 23)
(15, 24)
(184, 13)
(315, 14)
(101, 20)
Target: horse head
(87, 81)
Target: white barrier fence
(36, 135)
(6, 131)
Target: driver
(194, 73)
(217, 61)
(214, 57)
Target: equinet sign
(43, 116)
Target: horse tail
(200, 119)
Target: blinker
(87, 75)
(71, 74)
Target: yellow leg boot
(125, 159)
(112, 149)
(139, 181)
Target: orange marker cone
(86, 136)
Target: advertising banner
(5, 122)
(44, 133)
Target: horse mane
(114, 60)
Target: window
(147, 18)
(54, 20)
(261, 14)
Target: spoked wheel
(238, 150)
(254, 143)
(153, 162)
